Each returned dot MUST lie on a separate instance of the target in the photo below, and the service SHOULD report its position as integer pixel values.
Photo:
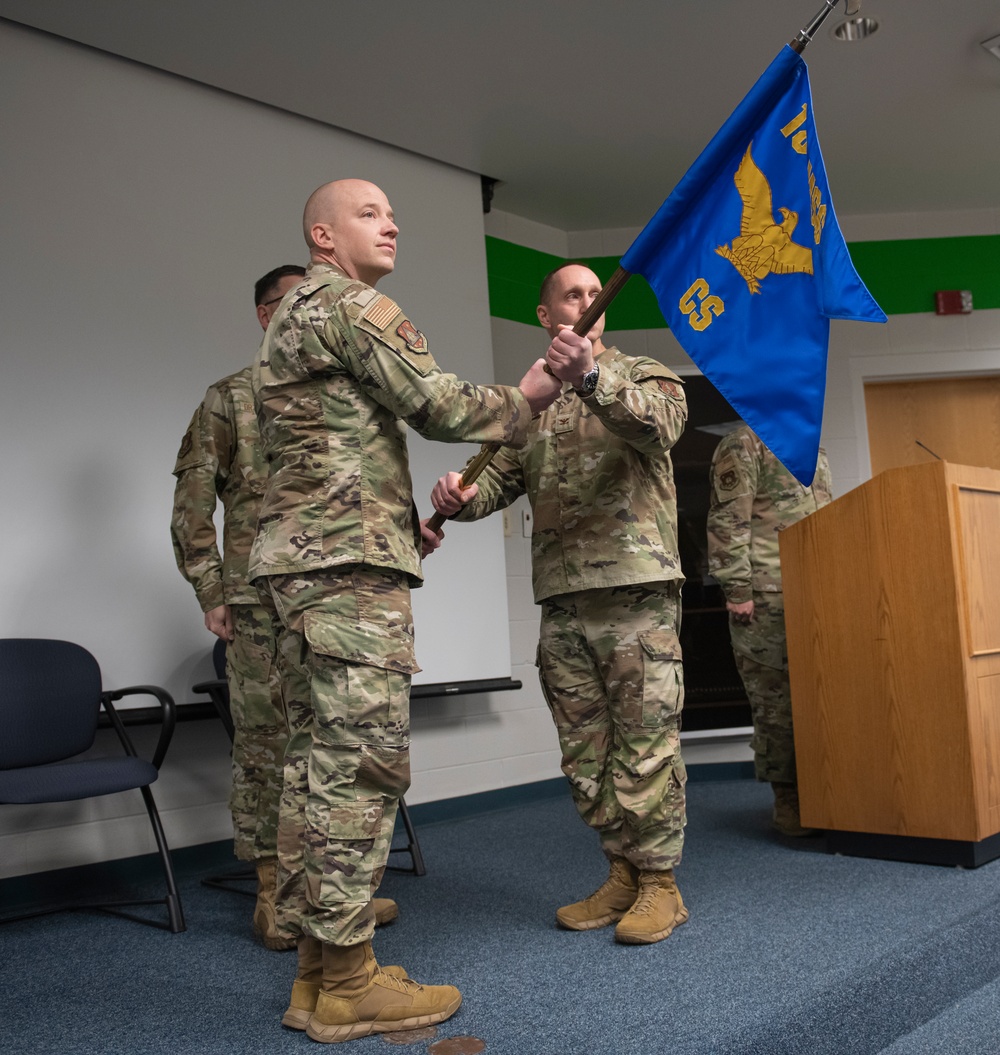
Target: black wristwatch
(589, 382)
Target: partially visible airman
(754, 497)
(220, 459)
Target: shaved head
(349, 223)
(322, 206)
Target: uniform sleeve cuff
(738, 595)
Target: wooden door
(958, 418)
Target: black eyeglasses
(273, 300)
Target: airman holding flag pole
(607, 575)
(337, 550)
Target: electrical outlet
(526, 523)
(508, 527)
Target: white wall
(138, 210)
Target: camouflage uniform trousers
(762, 660)
(346, 656)
(610, 667)
(259, 732)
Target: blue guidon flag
(749, 265)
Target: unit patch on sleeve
(412, 336)
(727, 478)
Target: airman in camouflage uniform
(606, 572)
(220, 458)
(340, 370)
(754, 497)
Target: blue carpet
(969, 1027)
(789, 951)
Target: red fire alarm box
(953, 302)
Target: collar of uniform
(319, 268)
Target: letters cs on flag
(748, 264)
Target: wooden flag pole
(583, 326)
(614, 284)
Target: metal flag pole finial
(798, 45)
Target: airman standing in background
(220, 458)
(753, 498)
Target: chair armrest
(167, 707)
(210, 686)
(218, 692)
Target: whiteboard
(138, 210)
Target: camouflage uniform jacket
(597, 471)
(340, 369)
(219, 457)
(754, 497)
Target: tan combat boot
(305, 988)
(264, 925)
(307, 984)
(786, 812)
(657, 910)
(386, 910)
(608, 903)
(358, 998)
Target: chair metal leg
(412, 847)
(175, 913)
(224, 881)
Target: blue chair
(50, 702)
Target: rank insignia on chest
(412, 336)
(564, 422)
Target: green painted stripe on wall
(515, 275)
(901, 275)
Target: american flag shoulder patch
(381, 312)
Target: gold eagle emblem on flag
(764, 246)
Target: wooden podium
(892, 611)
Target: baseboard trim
(19, 893)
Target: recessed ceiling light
(855, 29)
(993, 46)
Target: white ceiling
(589, 111)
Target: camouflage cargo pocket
(360, 681)
(662, 676)
(346, 837)
(249, 669)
